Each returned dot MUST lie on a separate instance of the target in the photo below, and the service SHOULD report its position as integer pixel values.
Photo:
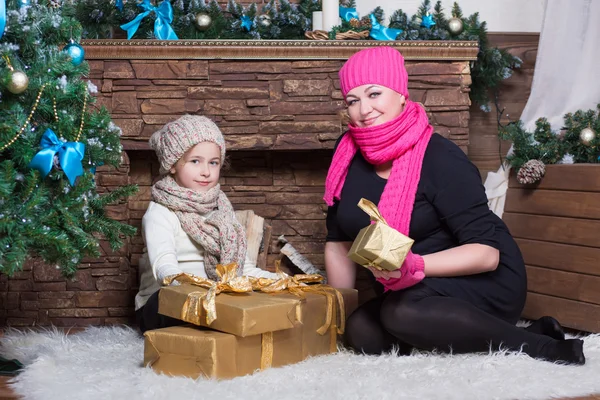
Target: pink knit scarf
(403, 140)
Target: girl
(462, 288)
(190, 225)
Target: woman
(462, 287)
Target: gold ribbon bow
(375, 216)
(389, 244)
(228, 282)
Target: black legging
(148, 317)
(419, 317)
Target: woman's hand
(411, 273)
(384, 274)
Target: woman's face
(370, 105)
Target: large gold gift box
(379, 245)
(241, 314)
(201, 352)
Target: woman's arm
(468, 259)
(341, 271)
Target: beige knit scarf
(209, 219)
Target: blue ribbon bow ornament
(380, 32)
(70, 155)
(348, 13)
(162, 24)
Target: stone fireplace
(278, 104)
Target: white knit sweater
(169, 251)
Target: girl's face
(199, 168)
(370, 105)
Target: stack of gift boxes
(285, 322)
(252, 331)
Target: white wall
(500, 15)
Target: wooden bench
(557, 226)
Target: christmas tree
(51, 140)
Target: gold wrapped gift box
(241, 314)
(200, 352)
(379, 245)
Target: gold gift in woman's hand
(379, 245)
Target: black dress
(450, 210)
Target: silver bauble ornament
(17, 82)
(264, 20)
(455, 25)
(202, 22)
(587, 136)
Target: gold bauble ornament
(202, 22)
(587, 136)
(455, 25)
(17, 82)
(264, 20)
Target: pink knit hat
(382, 65)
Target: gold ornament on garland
(17, 81)
(264, 20)
(587, 136)
(455, 26)
(27, 121)
(202, 21)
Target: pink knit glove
(412, 272)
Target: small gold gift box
(379, 245)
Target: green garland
(291, 21)
(550, 147)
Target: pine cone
(531, 172)
(365, 22)
(54, 3)
(355, 23)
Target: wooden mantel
(122, 49)
(265, 94)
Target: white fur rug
(105, 363)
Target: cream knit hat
(175, 138)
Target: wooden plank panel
(562, 257)
(578, 177)
(485, 149)
(567, 285)
(583, 232)
(570, 313)
(558, 203)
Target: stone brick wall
(278, 105)
(280, 119)
(101, 292)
